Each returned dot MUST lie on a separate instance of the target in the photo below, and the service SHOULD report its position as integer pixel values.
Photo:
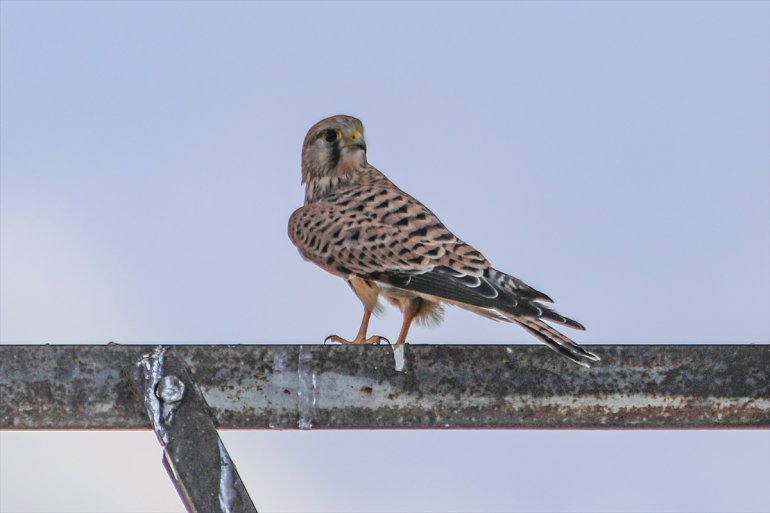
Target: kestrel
(358, 225)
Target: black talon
(385, 339)
(327, 338)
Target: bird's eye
(331, 135)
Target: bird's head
(333, 147)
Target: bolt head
(170, 389)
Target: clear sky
(615, 155)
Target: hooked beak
(355, 140)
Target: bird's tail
(520, 303)
(557, 341)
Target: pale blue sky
(615, 155)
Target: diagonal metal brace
(193, 454)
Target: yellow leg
(361, 337)
(409, 313)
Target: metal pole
(194, 456)
(441, 386)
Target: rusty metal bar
(194, 456)
(441, 386)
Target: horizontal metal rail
(441, 386)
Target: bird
(357, 224)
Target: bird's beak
(355, 140)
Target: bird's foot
(376, 339)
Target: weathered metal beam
(194, 456)
(441, 386)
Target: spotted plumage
(358, 225)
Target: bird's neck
(317, 188)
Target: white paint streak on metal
(227, 492)
(307, 391)
(152, 364)
(399, 356)
(618, 402)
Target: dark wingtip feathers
(558, 342)
(551, 315)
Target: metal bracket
(193, 454)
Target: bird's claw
(373, 340)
